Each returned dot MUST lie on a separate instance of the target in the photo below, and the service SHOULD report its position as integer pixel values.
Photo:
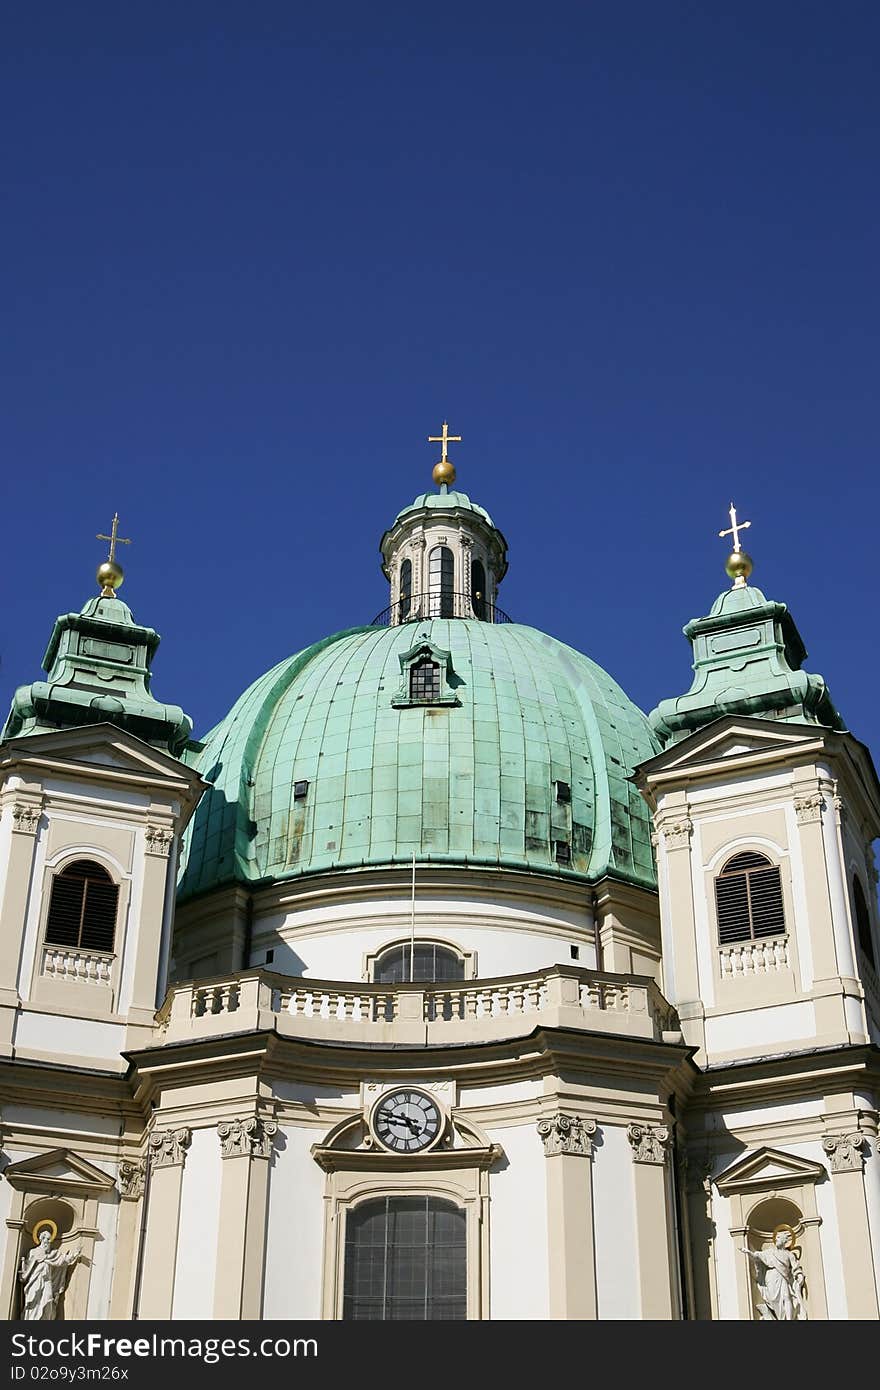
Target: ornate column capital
(648, 1142)
(808, 809)
(130, 1179)
(247, 1138)
(676, 829)
(567, 1134)
(845, 1152)
(25, 817)
(159, 838)
(167, 1147)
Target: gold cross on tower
(739, 564)
(110, 574)
(444, 471)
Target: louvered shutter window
(748, 899)
(82, 908)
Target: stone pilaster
(568, 1148)
(167, 1155)
(23, 819)
(847, 1162)
(656, 1246)
(246, 1148)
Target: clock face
(407, 1121)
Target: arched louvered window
(441, 582)
(748, 899)
(405, 601)
(405, 1260)
(863, 923)
(424, 681)
(82, 907)
(478, 590)
(429, 962)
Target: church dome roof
(324, 764)
(445, 499)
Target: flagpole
(412, 923)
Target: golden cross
(445, 438)
(735, 528)
(114, 538)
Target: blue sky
(252, 255)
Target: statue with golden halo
(44, 1273)
(781, 1279)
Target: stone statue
(780, 1278)
(44, 1275)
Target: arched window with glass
(863, 923)
(478, 590)
(748, 899)
(441, 582)
(404, 603)
(428, 961)
(405, 1261)
(83, 905)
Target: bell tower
(443, 556)
(765, 808)
(93, 797)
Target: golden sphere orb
(109, 576)
(444, 472)
(739, 565)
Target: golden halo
(783, 1226)
(46, 1221)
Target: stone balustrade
(73, 963)
(764, 957)
(452, 1011)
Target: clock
(407, 1121)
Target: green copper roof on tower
(748, 655)
(98, 663)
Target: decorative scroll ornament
(845, 1152)
(159, 839)
(567, 1134)
(676, 831)
(248, 1138)
(808, 809)
(25, 819)
(130, 1179)
(168, 1147)
(648, 1142)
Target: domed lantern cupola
(443, 556)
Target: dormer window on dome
(427, 677)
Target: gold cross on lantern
(114, 538)
(445, 439)
(735, 528)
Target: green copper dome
(325, 764)
(445, 498)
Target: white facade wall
(519, 1273)
(295, 1229)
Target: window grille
(82, 908)
(405, 1260)
(441, 582)
(748, 899)
(424, 681)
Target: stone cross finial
(444, 438)
(735, 528)
(114, 538)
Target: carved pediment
(767, 1168)
(108, 753)
(58, 1172)
(348, 1145)
(730, 741)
